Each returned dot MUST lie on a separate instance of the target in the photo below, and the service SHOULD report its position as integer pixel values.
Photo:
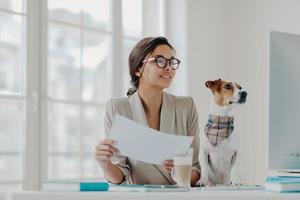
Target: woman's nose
(168, 67)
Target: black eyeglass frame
(168, 61)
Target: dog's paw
(236, 182)
(203, 181)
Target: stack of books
(74, 186)
(283, 183)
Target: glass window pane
(93, 127)
(65, 10)
(63, 128)
(64, 62)
(13, 5)
(95, 62)
(63, 167)
(12, 45)
(128, 44)
(12, 126)
(10, 167)
(96, 14)
(91, 169)
(132, 17)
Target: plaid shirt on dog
(218, 128)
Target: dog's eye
(227, 86)
(240, 88)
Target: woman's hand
(168, 165)
(104, 151)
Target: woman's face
(151, 75)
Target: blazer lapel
(167, 114)
(137, 109)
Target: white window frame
(35, 151)
(8, 184)
(46, 98)
(35, 59)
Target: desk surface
(191, 195)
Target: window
(87, 45)
(12, 91)
(132, 32)
(79, 54)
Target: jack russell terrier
(218, 145)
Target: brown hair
(138, 54)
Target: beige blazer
(178, 116)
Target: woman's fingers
(169, 169)
(106, 144)
(104, 150)
(102, 157)
(108, 141)
(107, 151)
(104, 153)
(102, 147)
(168, 165)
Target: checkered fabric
(218, 128)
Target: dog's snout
(243, 94)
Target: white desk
(192, 195)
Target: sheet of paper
(145, 144)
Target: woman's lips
(166, 77)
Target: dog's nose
(244, 94)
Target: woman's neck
(151, 99)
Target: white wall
(229, 39)
(175, 11)
(205, 56)
(247, 47)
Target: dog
(218, 145)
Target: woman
(152, 67)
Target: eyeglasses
(162, 62)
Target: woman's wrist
(112, 173)
(105, 165)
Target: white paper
(142, 143)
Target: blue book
(282, 179)
(74, 186)
(94, 186)
(289, 177)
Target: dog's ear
(209, 84)
(212, 84)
